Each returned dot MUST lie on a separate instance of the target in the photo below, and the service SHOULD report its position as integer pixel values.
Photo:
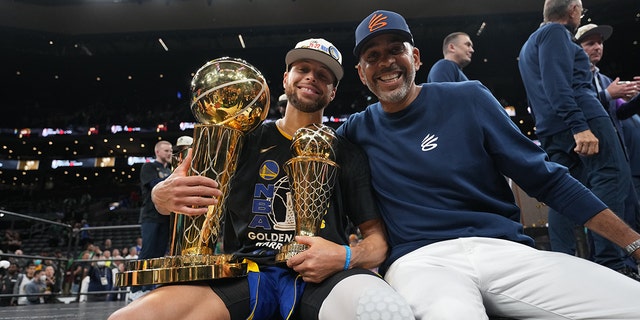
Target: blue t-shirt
(446, 71)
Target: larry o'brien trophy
(312, 174)
(229, 97)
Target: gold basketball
(230, 92)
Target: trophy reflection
(229, 98)
(312, 174)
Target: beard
(398, 94)
(305, 106)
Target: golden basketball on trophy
(229, 98)
(312, 174)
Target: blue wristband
(347, 259)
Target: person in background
(52, 285)
(8, 282)
(155, 227)
(282, 104)
(37, 289)
(440, 153)
(591, 38)
(21, 284)
(100, 279)
(180, 150)
(572, 126)
(329, 280)
(107, 244)
(138, 245)
(457, 49)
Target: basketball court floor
(60, 311)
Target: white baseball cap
(319, 50)
(588, 29)
(184, 141)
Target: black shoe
(630, 273)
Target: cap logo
(331, 51)
(377, 21)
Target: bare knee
(175, 302)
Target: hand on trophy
(322, 259)
(189, 195)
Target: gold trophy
(312, 174)
(229, 97)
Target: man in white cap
(613, 94)
(591, 38)
(180, 150)
(329, 280)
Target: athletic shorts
(276, 293)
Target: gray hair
(556, 9)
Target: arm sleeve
(518, 158)
(627, 109)
(31, 290)
(556, 69)
(355, 176)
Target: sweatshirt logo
(429, 142)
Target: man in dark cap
(440, 153)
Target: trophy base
(289, 250)
(180, 269)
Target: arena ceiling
(52, 51)
(125, 26)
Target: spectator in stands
(21, 262)
(21, 284)
(37, 286)
(106, 254)
(133, 253)
(85, 235)
(76, 230)
(139, 245)
(118, 266)
(12, 240)
(100, 279)
(78, 270)
(52, 284)
(8, 282)
(89, 247)
(107, 245)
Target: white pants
(469, 278)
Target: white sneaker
(135, 295)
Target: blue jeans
(608, 176)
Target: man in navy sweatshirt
(572, 125)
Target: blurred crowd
(53, 276)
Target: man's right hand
(180, 193)
(586, 143)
